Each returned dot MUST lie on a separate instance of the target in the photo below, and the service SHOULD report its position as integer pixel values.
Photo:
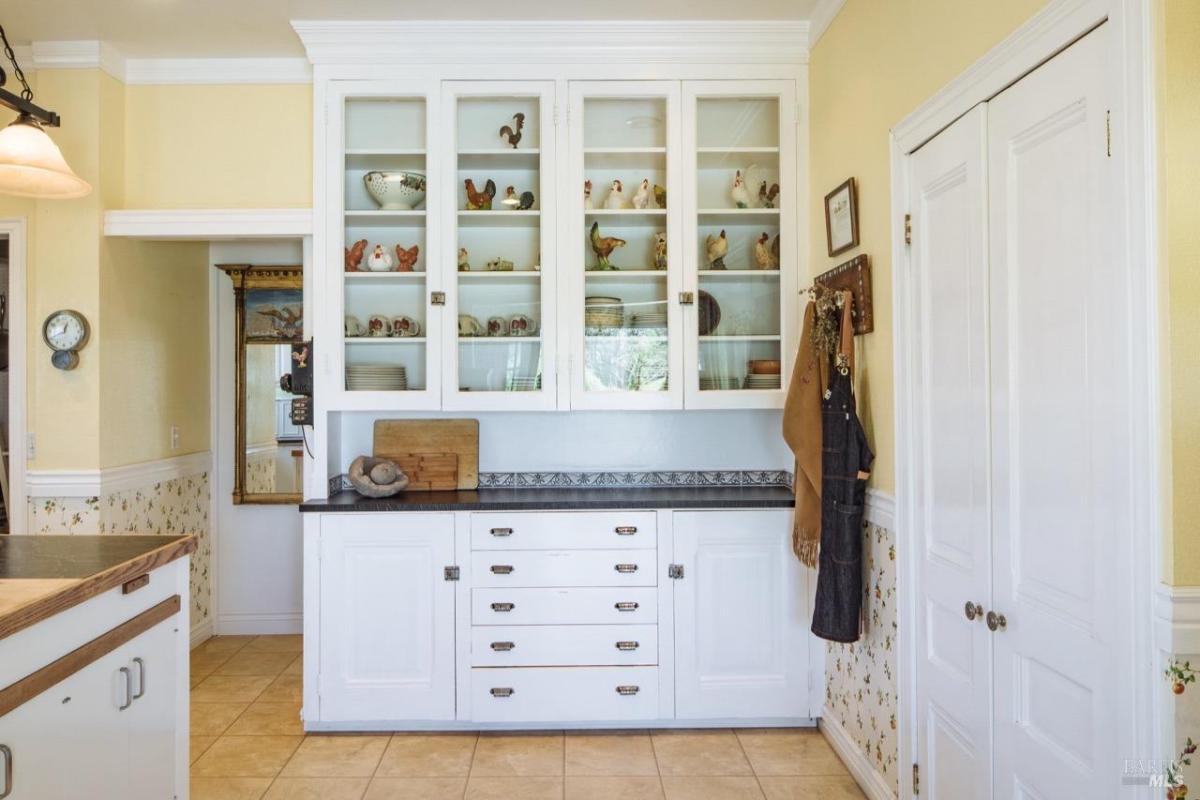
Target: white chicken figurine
(588, 203)
(763, 255)
(641, 198)
(616, 197)
(716, 247)
(379, 260)
(739, 193)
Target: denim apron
(845, 464)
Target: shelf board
(617, 274)
(500, 151)
(499, 340)
(739, 273)
(379, 215)
(485, 276)
(385, 277)
(741, 338)
(498, 158)
(498, 219)
(738, 216)
(737, 149)
(625, 212)
(381, 340)
(385, 151)
(620, 151)
(625, 217)
(625, 333)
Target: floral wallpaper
(860, 678)
(174, 507)
(1181, 687)
(260, 473)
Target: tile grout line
(741, 746)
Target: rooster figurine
(354, 255)
(526, 201)
(603, 246)
(379, 260)
(763, 255)
(766, 197)
(641, 198)
(407, 259)
(660, 196)
(716, 247)
(477, 200)
(660, 250)
(464, 260)
(616, 197)
(511, 134)
(588, 203)
(739, 193)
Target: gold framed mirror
(269, 319)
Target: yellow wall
(874, 65)
(218, 146)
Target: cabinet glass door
(624, 245)
(388, 254)
(499, 195)
(740, 188)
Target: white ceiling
(228, 28)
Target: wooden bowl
(764, 366)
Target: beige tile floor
(248, 744)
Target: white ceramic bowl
(396, 191)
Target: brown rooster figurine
(354, 255)
(407, 259)
(511, 134)
(477, 200)
(603, 246)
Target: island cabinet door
(387, 617)
(741, 617)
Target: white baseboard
(202, 631)
(100, 482)
(259, 624)
(873, 784)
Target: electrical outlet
(30, 446)
(174, 437)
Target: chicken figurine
(660, 250)
(477, 200)
(526, 201)
(354, 255)
(739, 192)
(641, 198)
(775, 249)
(379, 260)
(603, 247)
(511, 134)
(766, 197)
(588, 202)
(407, 259)
(660, 196)
(763, 255)
(464, 260)
(715, 247)
(510, 201)
(616, 197)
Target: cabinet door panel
(153, 718)
(387, 617)
(741, 617)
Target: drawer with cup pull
(563, 645)
(564, 694)
(564, 568)
(565, 530)
(566, 606)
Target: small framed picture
(841, 218)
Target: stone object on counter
(376, 477)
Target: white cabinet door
(741, 617)
(153, 718)
(387, 617)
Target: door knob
(996, 622)
(973, 610)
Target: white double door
(1021, 458)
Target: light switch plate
(174, 437)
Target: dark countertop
(72, 556)
(560, 499)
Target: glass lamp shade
(31, 165)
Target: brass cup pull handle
(502, 569)
(128, 688)
(626, 646)
(996, 622)
(502, 531)
(503, 606)
(627, 606)
(626, 530)
(628, 690)
(502, 691)
(973, 611)
(626, 569)
(502, 647)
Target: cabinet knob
(502, 647)
(502, 569)
(628, 690)
(502, 531)
(502, 606)
(973, 611)
(626, 530)
(502, 691)
(626, 606)
(626, 568)
(996, 622)
(627, 645)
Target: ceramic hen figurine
(526, 201)
(464, 263)
(511, 134)
(641, 198)
(603, 247)
(715, 247)
(660, 196)
(660, 250)
(766, 197)
(763, 255)
(477, 200)
(616, 197)
(739, 193)
(510, 201)
(379, 260)
(354, 255)
(588, 203)
(407, 259)
(775, 249)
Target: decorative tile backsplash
(616, 480)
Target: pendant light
(31, 165)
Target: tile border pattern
(617, 479)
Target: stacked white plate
(524, 384)
(376, 378)
(650, 319)
(719, 383)
(754, 381)
(603, 312)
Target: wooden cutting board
(434, 472)
(397, 438)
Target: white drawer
(564, 694)
(607, 606)
(564, 568)
(563, 530)
(563, 645)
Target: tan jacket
(802, 432)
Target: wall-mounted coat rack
(853, 276)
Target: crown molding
(209, 224)
(222, 71)
(79, 54)
(537, 41)
(821, 18)
(100, 482)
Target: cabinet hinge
(437, 298)
(1108, 132)
(908, 228)
(452, 573)
(675, 571)
(916, 786)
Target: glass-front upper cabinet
(381, 174)
(741, 257)
(624, 246)
(499, 325)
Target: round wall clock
(65, 332)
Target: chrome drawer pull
(8, 770)
(128, 688)
(502, 606)
(626, 530)
(628, 606)
(501, 531)
(502, 691)
(627, 645)
(502, 569)
(628, 690)
(141, 678)
(502, 647)
(626, 568)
